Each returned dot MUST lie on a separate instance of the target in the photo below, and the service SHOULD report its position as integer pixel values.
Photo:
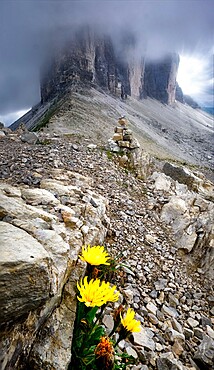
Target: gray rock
(205, 321)
(204, 356)
(169, 364)
(2, 133)
(176, 325)
(153, 319)
(29, 137)
(160, 284)
(39, 196)
(162, 182)
(113, 146)
(188, 333)
(210, 331)
(57, 331)
(151, 308)
(153, 294)
(91, 146)
(192, 323)
(128, 293)
(199, 333)
(172, 335)
(173, 301)
(131, 352)
(22, 260)
(194, 181)
(144, 339)
(108, 322)
(169, 311)
(38, 255)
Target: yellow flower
(95, 255)
(129, 323)
(96, 293)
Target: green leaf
(91, 314)
(80, 312)
(95, 335)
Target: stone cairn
(123, 137)
(131, 156)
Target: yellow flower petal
(95, 255)
(129, 323)
(96, 293)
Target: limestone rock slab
(24, 272)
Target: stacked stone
(124, 136)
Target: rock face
(40, 241)
(86, 58)
(160, 79)
(92, 58)
(179, 96)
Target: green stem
(100, 314)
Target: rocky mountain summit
(58, 192)
(91, 57)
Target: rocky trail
(171, 294)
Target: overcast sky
(185, 26)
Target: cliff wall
(92, 58)
(160, 79)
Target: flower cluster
(93, 346)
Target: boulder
(114, 147)
(162, 182)
(52, 348)
(22, 260)
(194, 180)
(29, 137)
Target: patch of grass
(109, 154)
(47, 116)
(44, 121)
(45, 142)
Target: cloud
(27, 28)
(194, 76)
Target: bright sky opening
(192, 75)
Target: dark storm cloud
(25, 28)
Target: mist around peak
(29, 27)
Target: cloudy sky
(184, 26)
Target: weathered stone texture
(160, 79)
(189, 214)
(22, 260)
(40, 242)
